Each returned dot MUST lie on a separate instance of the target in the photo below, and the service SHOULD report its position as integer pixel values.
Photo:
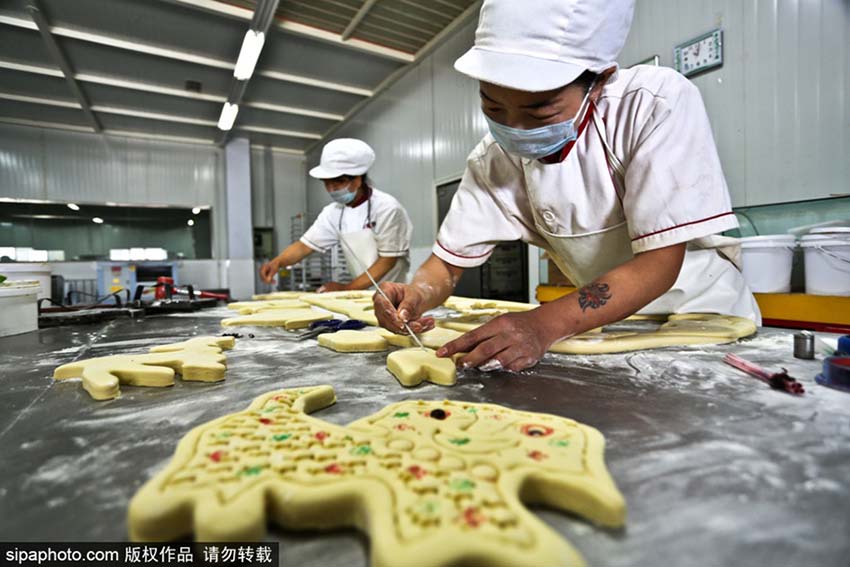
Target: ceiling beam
(177, 55)
(160, 116)
(358, 17)
(426, 50)
(62, 62)
(165, 90)
(295, 28)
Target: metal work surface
(716, 468)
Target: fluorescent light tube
(97, 220)
(252, 45)
(73, 206)
(228, 116)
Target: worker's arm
(293, 254)
(518, 340)
(433, 283)
(378, 270)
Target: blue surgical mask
(343, 196)
(536, 143)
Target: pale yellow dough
(286, 318)
(197, 359)
(412, 366)
(352, 304)
(428, 492)
(282, 295)
(354, 341)
(485, 306)
(248, 307)
(681, 329)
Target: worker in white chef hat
(374, 225)
(613, 172)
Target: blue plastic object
(836, 373)
(844, 345)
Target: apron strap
(368, 214)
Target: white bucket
(23, 271)
(827, 252)
(18, 305)
(767, 262)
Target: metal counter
(716, 467)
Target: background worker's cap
(344, 156)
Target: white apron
(362, 250)
(709, 281)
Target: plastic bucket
(767, 262)
(827, 260)
(18, 304)
(24, 271)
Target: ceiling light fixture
(196, 210)
(228, 116)
(190, 222)
(73, 206)
(252, 45)
(97, 220)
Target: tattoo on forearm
(593, 295)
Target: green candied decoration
(559, 443)
(429, 507)
(459, 441)
(461, 484)
(271, 409)
(282, 436)
(251, 471)
(472, 410)
(361, 450)
(400, 414)
(224, 435)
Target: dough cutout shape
(431, 483)
(412, 366)
(354, 307)
(282, 295)
(679, 330)
(197, 359)
(435, 338)
(354, 341)
(248, 307)
(485, 306)
(286, 318)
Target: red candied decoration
(537, 455)
(417, 471)
(265, 421)
(217, 456)
(333, 468)
(322, 435)
(472, 517)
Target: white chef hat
(344, 156)
(538, 45)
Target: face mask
(343, 196)
(538, 142)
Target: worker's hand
(514, 341)
(269, 269)
(332, 286)
(406, 305)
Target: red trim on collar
(357, 202)
(565, 151)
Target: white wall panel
(458, 122)
(279, 190)
(72, 166)
(778, 106)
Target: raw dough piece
(354, 341)
(411, 366)
(248, 307)
(459, 325)
(282, 295)
(679, 330)
(482, 306)
(286, 318)
(431, 483)
(403, 341)
(197, 359)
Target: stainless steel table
(717, 469)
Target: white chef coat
(382, 214)
(669, 189)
